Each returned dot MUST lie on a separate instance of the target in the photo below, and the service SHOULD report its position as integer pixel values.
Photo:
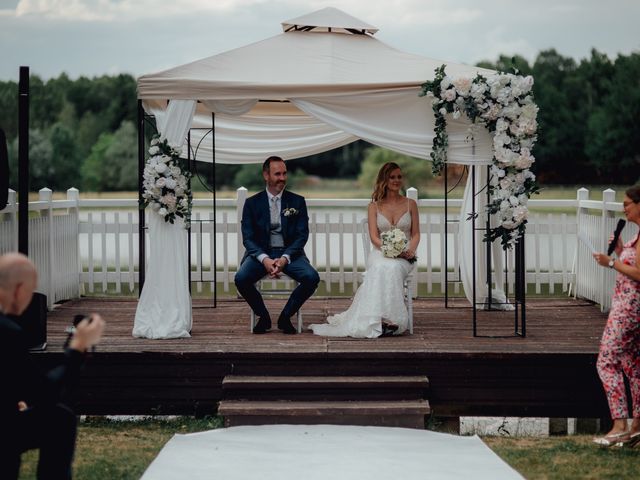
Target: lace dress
(380, 296)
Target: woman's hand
(618, 248)
(602, 259)
(408, 254)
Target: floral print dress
(620, 345)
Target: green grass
(109, 450)
(573, 457)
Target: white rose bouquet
(394, 242)
(165, 185)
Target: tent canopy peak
(329, 19)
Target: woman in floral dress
(620, 345)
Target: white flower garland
(504, 104)
(165, 184)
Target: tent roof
(299, 64)
(329, 19)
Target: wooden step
(397, 413)
(324, 387)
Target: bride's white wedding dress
(380, 297)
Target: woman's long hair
(382, 181)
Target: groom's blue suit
(256, 236)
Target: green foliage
(112, 164)
(417, 172)
(250, 177)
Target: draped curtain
(164, 308)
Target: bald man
(31, 415)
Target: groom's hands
(274, 267)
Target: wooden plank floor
(551, 372)
(554, 325)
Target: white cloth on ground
(319, 452)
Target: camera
(72, 329)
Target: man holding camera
(31, 414)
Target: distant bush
(417, 172)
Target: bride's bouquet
(394, 242)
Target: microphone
(616, 236)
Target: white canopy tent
(323, 83)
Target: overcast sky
(95, 37)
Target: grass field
(109, 450)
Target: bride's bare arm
(374, 235)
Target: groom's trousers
(251, 271)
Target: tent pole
(215, 231)
(141, 218)
(189, 229)
(23, 161)
(444, 266)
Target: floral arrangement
(165, 184)
(504, 104)
(394, 242)
(289, 212)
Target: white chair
(280, 288)
(406, 286)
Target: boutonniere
(288, 212)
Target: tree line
(82, 132)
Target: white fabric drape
(251, 139)
(398, 120)
(164, 308)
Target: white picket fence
(91, 245)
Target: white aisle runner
(326, 452)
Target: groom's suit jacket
(256, 224)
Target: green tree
(65, 168)
(612, 140)
(112, 163)
(417, 172)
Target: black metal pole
(189, 229)
(141, 217)
(446, 237)
(489, 245)
(473, 246)
(214, 267)
(23, 161)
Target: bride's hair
(382, 181)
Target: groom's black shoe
(284, 324)
(263, 325)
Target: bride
(378, 308)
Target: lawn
(109, 450)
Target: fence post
(412, 193)
(73, 195)
(582, 196)
(12, 208)
(241, 197)
(46, 195)
(608, 197)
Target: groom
(275, 229)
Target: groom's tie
(275, 211)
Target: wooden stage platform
(549, 373)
